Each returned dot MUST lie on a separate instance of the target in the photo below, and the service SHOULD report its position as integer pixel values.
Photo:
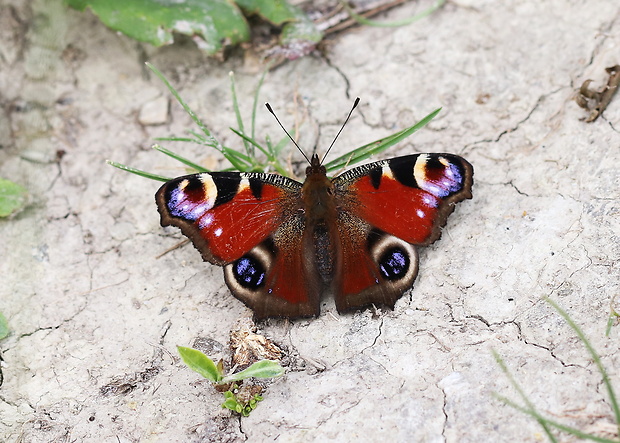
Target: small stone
(154, 112)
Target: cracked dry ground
(95, 316)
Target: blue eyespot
(394, 263)
(249, 272)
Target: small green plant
(234, 402)
(546, 423)
(4, 326)
(13, 197)
(247, 160)
(239, 399)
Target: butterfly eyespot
(394, 263)
(249, 272)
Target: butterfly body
(283, 243)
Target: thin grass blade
(176, 95)
(555, 424)
(595, 357)
(249, 149)
(530, 405)
(251, 141)
(364, 21)
(378, 146)
(181, 159)
(138, 171)
(255, 104)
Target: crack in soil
(518, 124)
(445, 412)
(347, 89)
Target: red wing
(278, 278)
(409, 197)
(384, 209)
(251, 224)
(374, 267)
(226, 214)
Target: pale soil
(89, 303)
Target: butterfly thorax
(318, 195)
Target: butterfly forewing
(417, 191)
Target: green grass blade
(530, 405)
(595, 357)
(240, 156)
(249, 149)
(277, 149)
(138, 171)
(255, 104)
(364, 21)
(560, 426)
(177, 139)
(238, 160)
(178, 158)
(613, 315)
(378, 146)
(251, 141)
(176, 95)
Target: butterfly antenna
(286, 132)
(357, 101)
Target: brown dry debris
(249, 347)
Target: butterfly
(283, 243)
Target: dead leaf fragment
(597, 101)
(249, 347)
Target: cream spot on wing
(244, 183)
(386, 171)
(419, 170)
(210, 189)
(218, 232)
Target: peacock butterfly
(282, 243)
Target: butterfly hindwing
(374, 267)
(249, 223)
(387, 207)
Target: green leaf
(276, 12)
(260, 369)
(298, 30)
(4, 326)
(230, 402)
(13, 197)
(208, 22)
(200, 363)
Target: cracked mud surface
(95, 317)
